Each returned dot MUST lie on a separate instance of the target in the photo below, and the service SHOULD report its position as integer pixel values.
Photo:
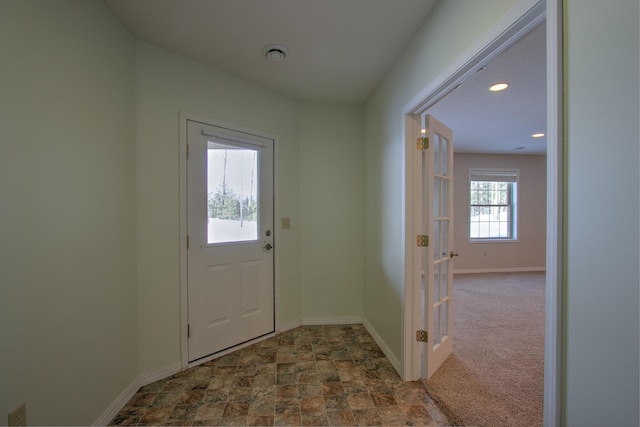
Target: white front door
(437, 223)
(230, 238)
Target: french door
(435, 172)
(230, 283)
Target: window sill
(493, 240)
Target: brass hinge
(188, 330)
(422, 241)
(422, 336)
(423, 143)
(187, 241)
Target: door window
(232, 193)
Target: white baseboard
(127, 394)
(118, 404)
(499, 270)
(383, 346)
(351, 320)
(284, 327)
(160, 374)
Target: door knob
(452, 254)
(268, 247)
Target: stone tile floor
(310, 376)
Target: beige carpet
(495, 375)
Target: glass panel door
(230, 240)
(437, 209)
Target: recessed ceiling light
(497, 87)
(275, 52)
(537, 135)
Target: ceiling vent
(275, 52)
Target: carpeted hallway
(495, 375)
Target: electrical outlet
(18, 417)
(285, 223)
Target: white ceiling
(338, 49)
(338, 52)
(501, 122)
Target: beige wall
(68, 299)
(601, 292)
(167, 84)
(529, 251)
(449, 30)
(319, 172)
(602, 213)
(331, 212)
(89, 299)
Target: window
(493, 204)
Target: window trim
(493, 174)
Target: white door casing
(230, 265)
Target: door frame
(520, 20)
(184, 302)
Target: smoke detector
(275, 52)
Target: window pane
(504, 229)
(232, 190)
(436, 239)
(444, 309)
(444, 247)
(444, 273)
(444, 201)
(445, 156)
(436, 196)
(436, 282)
(436, 325)
(491, 211)
(494, 229)
(503, 214)
(474, 230)
(436, 154)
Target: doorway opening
(504, 35)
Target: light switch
(285, 223)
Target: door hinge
(187, 151)
(188, 330)
(423, 143)
(423, 241)
(187, 241)
(422, 336)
